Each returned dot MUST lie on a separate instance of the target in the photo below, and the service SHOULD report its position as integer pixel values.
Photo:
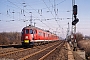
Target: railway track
(19, 53)
(42, 54)
(13, 52)
(7, 50)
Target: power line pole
(74, 21)
(31, 19)
(34, 24)
(73, 3)
(67, 36)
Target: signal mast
(74, 22)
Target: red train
(32, 35)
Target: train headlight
(26, 41)
(26, 37)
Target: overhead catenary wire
(56, 16)
(19, 8)
(39, 14)
(55, 5)
(48, 8)
(25, 11)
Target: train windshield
(27, 31)
(31, 31)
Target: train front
(27, 36)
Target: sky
(46, 14)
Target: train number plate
(26, 41)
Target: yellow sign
(26, 41)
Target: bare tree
(79, 36)
(10, 38)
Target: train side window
(44, 34)
(34, 31)
(31, 31)
(39, 33)
(48, 35)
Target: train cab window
(23, 32)
(27, 31)
(44, 34)
(31, 31)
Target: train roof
(33, 27)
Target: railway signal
(75, 13)
(75, 21)
(75, 10)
